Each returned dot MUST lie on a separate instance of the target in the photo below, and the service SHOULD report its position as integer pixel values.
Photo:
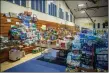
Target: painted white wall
(10, 7)
(82, 21)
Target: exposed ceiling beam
(95, 7)
(89, 17)
(69, 8)
(93, 1)
(92, 16)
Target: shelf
(61, 58)
(88, 70)
(77, 59)
(102, 60)
(76, 49)
(86, 58)
(101, 54)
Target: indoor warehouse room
(54, 36)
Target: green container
(34, 51)
(37, 51)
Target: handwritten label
(17, 23)
(8, 20)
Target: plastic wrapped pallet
(15, 54)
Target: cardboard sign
(17, 23)
(8, 20)
(12, 26)
(43, 27)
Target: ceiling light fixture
(81, 5)
(82, 11)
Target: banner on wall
(88, 25)
(43, 27)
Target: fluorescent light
(81, 5)
(82, 11)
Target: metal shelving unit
(104, 62)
